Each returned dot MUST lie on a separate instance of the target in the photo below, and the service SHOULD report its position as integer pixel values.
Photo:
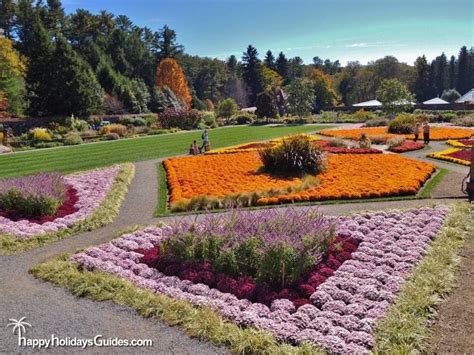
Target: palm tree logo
(19, 325)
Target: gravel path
(53, 310)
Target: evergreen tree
(295, 69)
(282, 65)
(7, 14)
(232, 65)
(422, 87)
(167, 46)
(269, 60)
(75, 89)
(441, 74)
(251, 73)
(452, 72)
(463, 84)
(36, 44)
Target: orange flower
(349, 176)
(436, 133)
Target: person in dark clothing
(426, 132)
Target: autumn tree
(169, 74)
(270, 78)
(12, 70)
(324, 94)
(3, 105)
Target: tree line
(83, 63)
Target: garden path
(53, 310)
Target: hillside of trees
(83, 64)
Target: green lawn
(88, 156)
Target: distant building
(371, 103)
(467, 98)
(435, 101)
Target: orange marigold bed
(349, 176)
(437, 133)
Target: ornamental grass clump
(295, 156)
(33, 196)
(274, 247)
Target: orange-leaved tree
(3, 105)
(170, 74)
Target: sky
(347, 30)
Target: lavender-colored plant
(273, 245)
(35, 195)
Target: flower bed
(349, 176)
(437, 133)
(325, 144)
(91, 188)
(407, 146)
(462, 143)
(345, 307)
(454, 155)
(254, 146)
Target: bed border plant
(404, 329)
(444, 155)
(104, 214)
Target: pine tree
(7, 14)
(251, 73)
(170, 74)
(422, 87)
(75, 89)
(269, 60)
(441, 74)
(463, 84)
(167, 46)
(282, 65)
(452, 72)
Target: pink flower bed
(344, 308)
(463, 154)
(90, 190)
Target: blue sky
(337, 29)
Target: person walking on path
(416, 131)
(206, 145)
(426, 132)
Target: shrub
(376, 122)
(362, 115)
(465, 121)
(364, 141)
(395, 142)
(337, 142)
(79, 125)
(133, 121)
(33, 196)
(116, 128)
(1, 137)
(227, 108)
(112, 136)
(179, 118)
(72, 138)
(295, 156)
(402, 124)
(47, 144)
(208, 120)
(276, 247)
(40, 135)
(244, 118)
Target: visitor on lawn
(206, 145)
(426, 132)
(194, 149)
(416, 131)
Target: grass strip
(93, 155)
(406, 327)
(433, 182)
(162, 191)
(104, 214)
(199, 322)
